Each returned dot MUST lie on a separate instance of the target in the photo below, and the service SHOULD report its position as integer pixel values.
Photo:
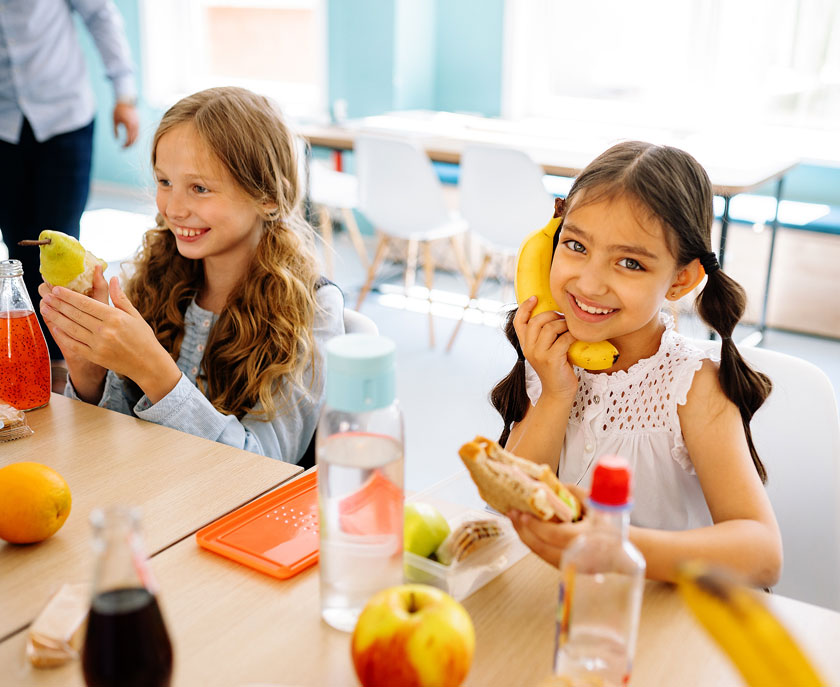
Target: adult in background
(47, 110)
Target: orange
(34, 502)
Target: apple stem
(31, 242)
(412, 604)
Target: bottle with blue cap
(360, 455)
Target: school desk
(181, 483)
(564, 148)
(232, 626)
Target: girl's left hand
(548, 539)
(117, 338)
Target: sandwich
(507, 482)
(466, 539)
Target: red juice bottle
(25, 376)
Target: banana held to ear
(742, 625)
(533, 266)
(65, 262)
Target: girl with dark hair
(635, 232)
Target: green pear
(424, 528)
(65, 262)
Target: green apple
(424, 528)
(412, 635)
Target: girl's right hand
(545, 341)
(87, 377)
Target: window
(688, 64)
(274, 47)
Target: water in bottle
(126, 641)
(359, 450)
(602, 578)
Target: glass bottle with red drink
(24, 360)
(126, 643)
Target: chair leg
(355, 235)
(429, 269)
(461, 259)
(479, 278)
(411, 264)
(325, 224)
(379, 255)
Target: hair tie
(710, 262)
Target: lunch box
(457, 499)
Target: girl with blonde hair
(219, 330)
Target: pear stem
(40, 242)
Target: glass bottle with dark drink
(24, 360)
(126, 644)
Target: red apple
(413, 635)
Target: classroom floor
(444, 395)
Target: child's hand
(545, 341)
(546, 539)
(115, 338)
(549, 539)
(87, 377)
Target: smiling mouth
(187, 232)
(592, 310)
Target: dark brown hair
(671, 185)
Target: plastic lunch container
(457, 498)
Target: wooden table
(233, 626)
(565, 148)
(180, 481)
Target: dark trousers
(43, 186)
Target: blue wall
(112, 163)
(468, 69)
(384, 55)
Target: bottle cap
(361, 372)
(611, 482)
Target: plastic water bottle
(601, 586)
(359, 452)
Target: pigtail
(509, 397)
(721, 305)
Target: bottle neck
(13, 294)
(608, 519)
(120, 560)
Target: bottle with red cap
(602, 579)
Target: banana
(742, 625)
(533, 266)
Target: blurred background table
(563, 149)
(231, 625)
(181, 482)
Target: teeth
(183, 231)
(592, 310)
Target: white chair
(356, 323)
(400, 193)
(797, 435)
(503, 199)
(331, 193)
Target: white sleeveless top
(633, 413)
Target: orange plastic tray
(276, 534)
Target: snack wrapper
(13, 423)
(56, 635)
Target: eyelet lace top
(633, 413)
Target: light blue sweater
(185, 408)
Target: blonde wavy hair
(262, 343)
